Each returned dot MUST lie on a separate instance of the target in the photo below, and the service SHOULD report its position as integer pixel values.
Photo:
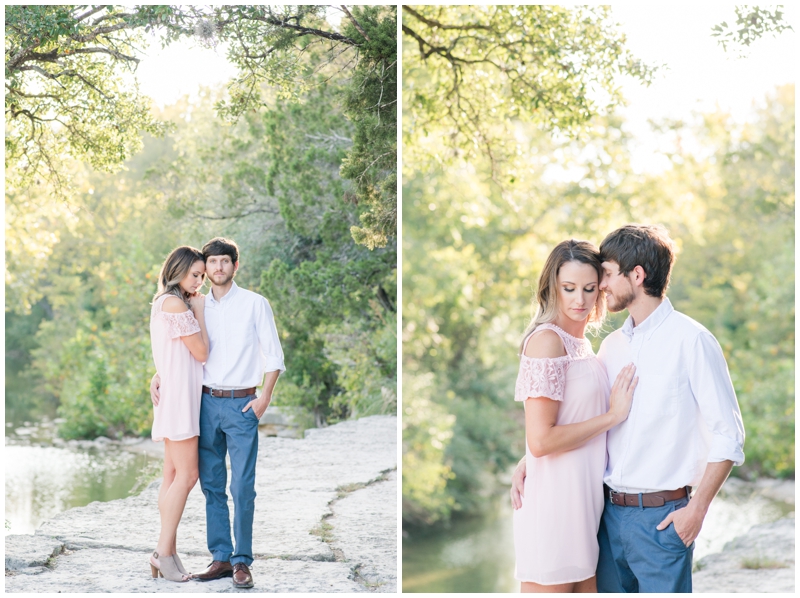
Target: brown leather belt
(226, 394)
(649, 499)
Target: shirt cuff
(274, 363)
(725, 449)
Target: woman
(567, 413)
(180, 346)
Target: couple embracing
(615, 442)
(210, 352)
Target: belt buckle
(617, 498)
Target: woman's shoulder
(544, 344)
(173, 305)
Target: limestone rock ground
(762, 560)
(339, 483)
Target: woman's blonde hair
(547, 293)
(174, 270)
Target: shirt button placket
(636, 346)
(226, 369)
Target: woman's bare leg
(168, 476)
(182, 455)
(528, 587)
(587, 586)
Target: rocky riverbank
(763, 559)
(325, 521)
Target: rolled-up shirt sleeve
(713, 390)
(268, 337)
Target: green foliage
(293, 49)
(471, 71)
(70, 92)
(427, 429)
(752, 23)
(370, 102)
(94, 354)
(23, 404)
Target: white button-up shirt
(684, 413)
(243, 340)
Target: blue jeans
(225, 429)
(636, 557)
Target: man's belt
(649, 499)
(230, 394)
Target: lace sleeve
(541, 378)
(181, 324)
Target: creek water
(45, 475)
(477, 554)
(42, 479)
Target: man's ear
(236, 265)
(638, 275)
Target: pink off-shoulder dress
(177, 415)
(555, 531)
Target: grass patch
(324, 530)
(762, 563)
(356, 576)
(346, 489)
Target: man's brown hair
(221, 246)
(641, 245)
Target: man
(243, 348)
(684, 429)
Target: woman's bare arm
(541, 413)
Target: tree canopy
(67, 93)
(469, 74)
(70, 85)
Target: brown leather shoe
(241, 576)
(216, 570)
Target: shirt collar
(229, 294)
(651, 322)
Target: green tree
(70, 88)
(472, 71)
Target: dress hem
(174, 439)
(554, 583)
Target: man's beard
(223, 282)
(620, 301)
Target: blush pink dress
(177, 415)
(555, 531)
